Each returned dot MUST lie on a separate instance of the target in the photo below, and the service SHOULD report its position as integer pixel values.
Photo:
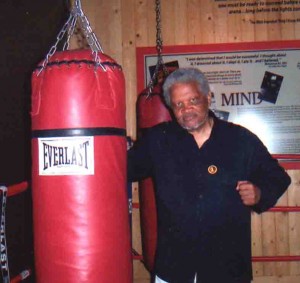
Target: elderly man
(209, 175)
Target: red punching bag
(80, 205)
(151, 111)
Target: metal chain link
(69, 27)
(91, 39)
(159, 46)
(159, 41)
(54, 47)
(89, 34)
(71, 30)
(78, 4)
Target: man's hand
(250, 194)
(129, 143)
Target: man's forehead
(185, 89)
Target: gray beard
(200, 124)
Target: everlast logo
(66, 156)
(3, 249)
(4, 262)
(241, 98)
(59, 156)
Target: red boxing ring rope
(273, 209)
(20, 277)
(275, 258)
(285, 209)
(17, 188)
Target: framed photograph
(254, 84)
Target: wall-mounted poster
(256, 85)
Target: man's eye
(194, 100)
(178, 105)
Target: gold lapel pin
(212, 169)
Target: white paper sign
(66, 156)
(255, 85)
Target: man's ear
(209, 97)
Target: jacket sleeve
(139, 162)
(267, 174)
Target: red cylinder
(151, 111)
(80, 205)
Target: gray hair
(185, 75)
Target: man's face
(189, 105)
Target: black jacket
(203, 226)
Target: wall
(123, 25)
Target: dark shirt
(203, 226)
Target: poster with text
(256, 85)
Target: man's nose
(186, 107)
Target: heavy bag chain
(69, 27)
(159, 46)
